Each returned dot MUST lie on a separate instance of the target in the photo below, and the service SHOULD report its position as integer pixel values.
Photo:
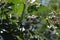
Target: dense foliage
(29, 20)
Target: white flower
(31, 1)
(1, 31)
(23, 29)
(29, 16)
(9, 7)
(33, 16)
(10, 15)
(50, 17)
(57, 33)
(49, 26)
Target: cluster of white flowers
(21, 29)
(33, 16)
(3, 30)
